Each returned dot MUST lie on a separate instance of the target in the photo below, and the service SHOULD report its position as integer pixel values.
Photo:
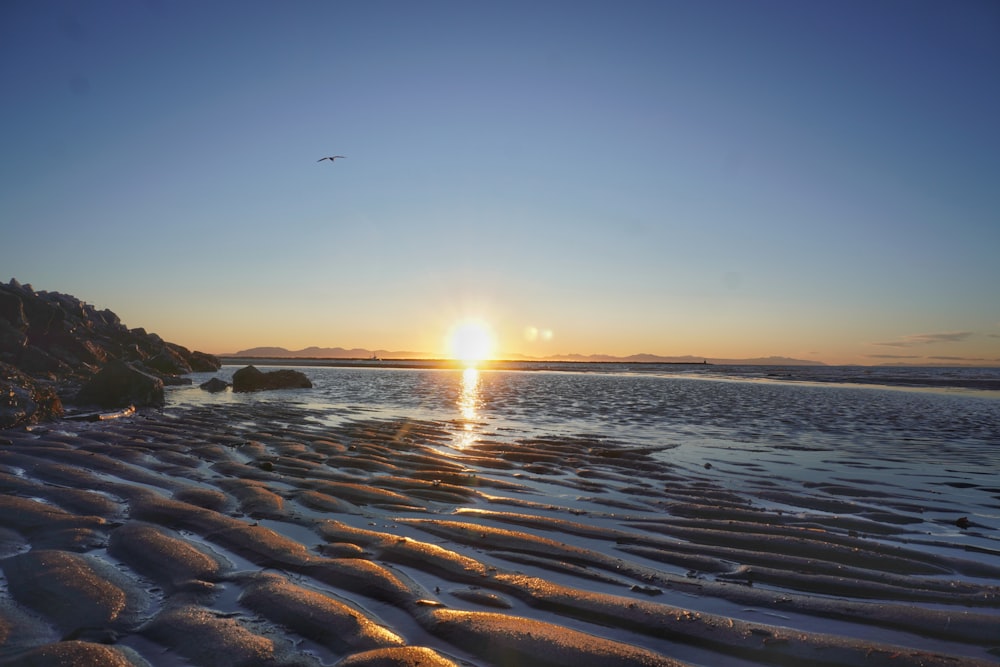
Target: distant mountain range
(360, 353)
(323, 353)
(687, 359)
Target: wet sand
(243, 535)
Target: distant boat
(331, 158)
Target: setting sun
(471, 341)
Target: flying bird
(331, 158)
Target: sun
(471, 342)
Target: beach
(291, 531)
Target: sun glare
(471, 342)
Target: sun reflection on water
(469, 402)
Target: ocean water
(905, 411)
(920, 416)
(888, 459)
(919, 435)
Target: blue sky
(721, 179)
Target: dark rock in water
(120, 384)
(215, 385)
(25, 401)
(253, 379)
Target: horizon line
(609, 359)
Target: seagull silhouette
(331, 158)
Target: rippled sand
(241, 535)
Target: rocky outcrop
(120, 384)
(59, 344)
(253, 379)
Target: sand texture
(236, 536)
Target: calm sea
(918, 434)
(901, 410)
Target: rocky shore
(56, 350)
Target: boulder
(24, 401)
(120, 384)
(169, 362)
(215, 385)
(253, 379)
(202, 362)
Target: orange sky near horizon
(699, 336)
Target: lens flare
(533, 334)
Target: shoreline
(494, 364)
(888, 377)
(240, 525)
